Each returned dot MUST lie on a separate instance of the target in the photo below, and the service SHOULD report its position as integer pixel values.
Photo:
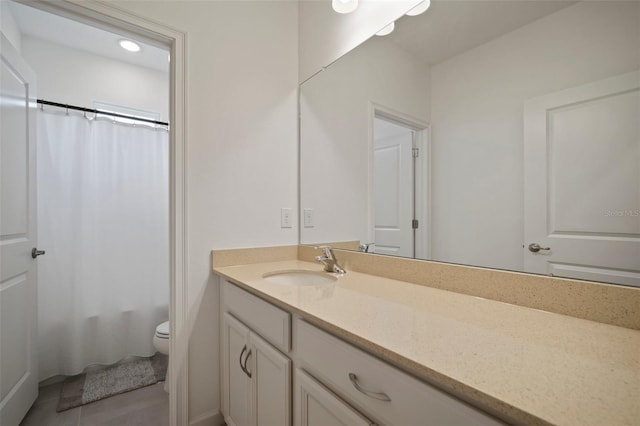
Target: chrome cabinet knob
(535, 247)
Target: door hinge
(414, 223)
(415, 152)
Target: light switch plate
(308, 218)
(285, 217)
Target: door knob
(35, 253)
(535, 247)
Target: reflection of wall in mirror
(335, 126)
(477, 103)
(325, 35)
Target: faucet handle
(328, 259)
(327, 251)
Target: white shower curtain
(103, 220)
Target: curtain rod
(97, 111)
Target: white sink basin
(299, 277)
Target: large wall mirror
(503, 134)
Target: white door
(317, 406)
(18, 308)
(393, 189)
(236, 383)
(271, 375)
(582, 182)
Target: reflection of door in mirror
(399, 212)
(393, 189)
(582, 169)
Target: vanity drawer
(344, 369)
(270, 322)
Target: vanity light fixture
(129, 45)
(344, 6)
(420, 8)
(386, 30)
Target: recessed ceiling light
(129, 45)
(420, 8)
(386, 30)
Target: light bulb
(344, 6)
(129, 45)
(420, 8)
(386, 30)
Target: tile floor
(148, 406)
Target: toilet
(161, 343)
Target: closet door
(236, 380)
(582, 182)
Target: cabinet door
(236, 383)
(271, 388)
(320, 407)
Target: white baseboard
(208, 418)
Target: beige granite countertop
(528, 366)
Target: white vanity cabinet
(256, 377)
(335, 383)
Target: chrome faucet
(364, 247)
(328, 259)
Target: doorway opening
(105, 17)
(399, 185)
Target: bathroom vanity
(364, 349)
(263, 346)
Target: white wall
(335, 126)
(477, 121)
(242, 138)
(325, 35)
(9, 27)
(77, 77)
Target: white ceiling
(447, 29)
(56, 29)
(450, 27)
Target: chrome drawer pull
(375, 395)
(244, 348)
(246, 370)
(244, 367)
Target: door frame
(109, 17)
(423, 174)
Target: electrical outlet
(285, 218)
(308, 218)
